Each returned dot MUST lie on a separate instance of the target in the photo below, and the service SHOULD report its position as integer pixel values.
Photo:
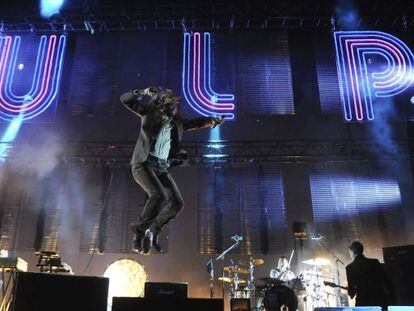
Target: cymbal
(317, 262)
(256, 262)
(230, 280)
(236, 270)
(321, 276)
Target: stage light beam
(9, 136)
(215, 145)
(351, 195)
(50, 7)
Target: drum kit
(304, 292)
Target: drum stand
(210, 270)
(250, 285)
(222, 257)
(234, 284)
(337, 262)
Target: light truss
(206, 16)
(200, 153)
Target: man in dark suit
(367, 279)
(158, 142)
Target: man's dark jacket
(151, 122)
(368, 281)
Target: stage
(230, 152)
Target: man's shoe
(156, 244)
(147, 241)
(137, 244)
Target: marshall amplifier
(166, 290)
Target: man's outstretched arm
(200, 123)
(137, 101)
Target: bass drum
(280, 298)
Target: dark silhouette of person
(367, 280)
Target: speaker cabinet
(174, 290)
(402, 276)
(51, 292)
(164, 304)
(398, 254)
(349, 309)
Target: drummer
(282, 271)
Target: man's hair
(356, 247)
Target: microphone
(237, 238)
(219, 122)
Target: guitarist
(367, 280)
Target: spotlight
(333, 23)
(215, 145)
(89, 27)
(20, 66)
(215, 156)
(231, 24)
(50, 7)
(184, 24)
(405, 22)
(412, 100)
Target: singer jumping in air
(158, 142)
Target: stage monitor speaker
(390, 308)
(161, 290)
(165, 304)
(401, 274)
(51, 292)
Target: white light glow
(126, 279)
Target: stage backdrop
(271, 85)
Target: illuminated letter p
(370, 64)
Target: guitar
(332, 284)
